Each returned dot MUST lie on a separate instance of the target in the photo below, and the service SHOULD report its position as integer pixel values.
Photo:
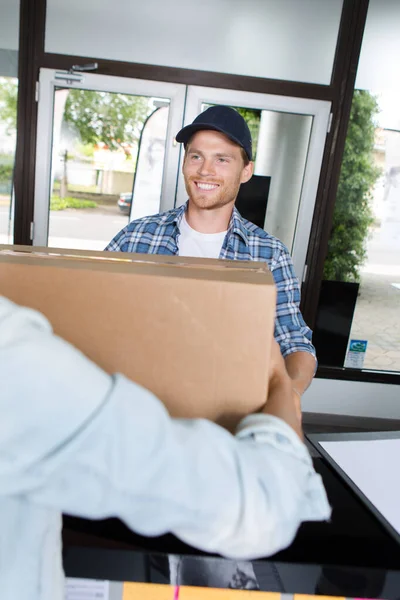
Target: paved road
(83, 229)
(383, 255)
(96, 225)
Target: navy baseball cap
(224, 119)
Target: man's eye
(195, 157)
(222, 160)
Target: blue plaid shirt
(159, 234)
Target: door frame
(320, 111)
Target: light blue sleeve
(75, 439)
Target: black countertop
(352, 555)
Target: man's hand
(301, 369)
(282, 400)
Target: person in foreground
(218, 159)
(75, 440)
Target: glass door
(105, 155)
(8, 140)
(288, 141)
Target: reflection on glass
(105, 146)
(150, 164)
(8, 137)
(280, 149)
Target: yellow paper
(150, 591)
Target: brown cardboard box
(196, 332)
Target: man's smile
(206, 187)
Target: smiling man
(218, 159)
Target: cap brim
(184, 135)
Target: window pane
(8, 131)
(9, 31)
(358, 322)
(107, 164)
(380, 56)
(9, 16)
(279, 39)
(377, 313)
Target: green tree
(252, 118)
(106, 117)
(8, 103)
(353, 214)
(96, 116)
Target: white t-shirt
(202, 245)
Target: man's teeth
(207, 186)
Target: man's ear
(247, 172)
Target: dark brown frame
(31, 48)
(343, 79)
(339, 92)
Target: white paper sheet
(86, 589)
(374, 467)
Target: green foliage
(8, 103)
(85, 150)
(57, 203)
(252, 118)
(106, 117)
(353, 215)
(6, 172)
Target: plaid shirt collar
(236, 224)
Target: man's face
(213, 170)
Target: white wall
(353, 398)
(280, 39)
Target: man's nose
(207, 167)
